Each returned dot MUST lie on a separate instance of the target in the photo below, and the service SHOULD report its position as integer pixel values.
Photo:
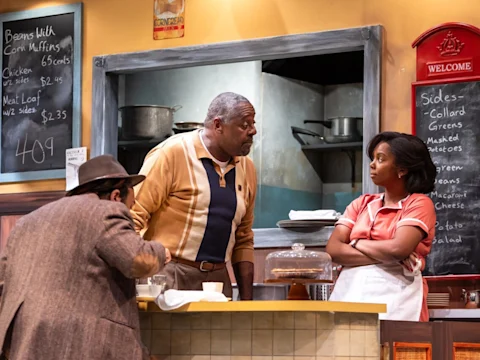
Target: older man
(67, 274)
(198, 198)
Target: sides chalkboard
(447, 118)
(40, 112)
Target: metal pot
(471, 298)
(342, 127)
(147, 121)
(329, 139)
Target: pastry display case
(298, 267)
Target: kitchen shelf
(334, 147)
(312, 151)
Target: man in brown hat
(67, 276)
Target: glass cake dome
(298, 264)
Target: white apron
(390, 284)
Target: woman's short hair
(411, 154)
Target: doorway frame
(108, 68)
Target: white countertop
(455, 314)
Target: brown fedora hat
(103, 167)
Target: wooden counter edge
(148, 304)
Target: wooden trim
(463, 345)
(441, 336)
(407, 345)
(23, 203)
(275, 47)
(466, 345)
(372, 80)
(385, 351)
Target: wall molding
(24, 203)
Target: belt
(201, 265)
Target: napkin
(173, 299)
(313, 215)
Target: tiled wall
(261, 336)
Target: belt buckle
(201, 266)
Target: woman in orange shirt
(382, 239)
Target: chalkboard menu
(40, 115)
(447, 118)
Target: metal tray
(305, 223)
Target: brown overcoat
(68, 291)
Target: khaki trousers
(185, 277)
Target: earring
(399, 176)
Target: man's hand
(244, 276)
(168, 256)
(145, 265)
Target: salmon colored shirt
(369, 219)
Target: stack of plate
(305, 223)
(438, 300)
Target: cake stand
(298, 290)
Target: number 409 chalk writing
(36, 147)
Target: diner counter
(148, 304)
(262, 329)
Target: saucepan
(329, 139)
(342, 126)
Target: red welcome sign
(448, 50)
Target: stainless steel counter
(281, 237)
(454, 314)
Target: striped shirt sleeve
(243, 249)
(153, 191)
(420, 213)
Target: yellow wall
(113, 26)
